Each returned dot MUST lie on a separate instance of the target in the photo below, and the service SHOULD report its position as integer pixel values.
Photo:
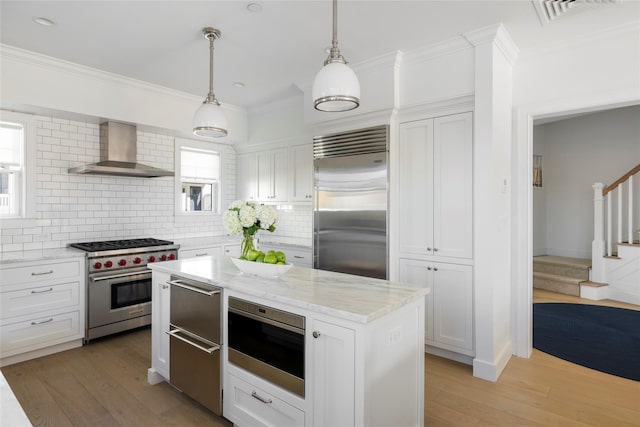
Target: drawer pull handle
(180, 284)
(42, 321)
(202, 254)
(298, 256)
(41, 273)
(42, 291)
(260, 398)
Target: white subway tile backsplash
(72, 208)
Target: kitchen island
(362, 345)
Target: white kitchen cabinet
(160, 312)
(301, 166)
(232, 250)
(435, 188)
(247, 176)
(42, 308)
(334, 374)
(296, 255)
(449, 305)
(272, 175)
(200, 252)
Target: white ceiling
(160, 41)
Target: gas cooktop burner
(119, 244)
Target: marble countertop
(349, 297)
(39, 254)
(12, 413)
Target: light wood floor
(104, 383)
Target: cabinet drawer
(38, 299)
(299, 257)
(40, 272)
(38, 332)
(193, 253)
(253, 406)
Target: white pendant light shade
(210, 121)
(336, 88)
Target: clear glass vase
(246, 245)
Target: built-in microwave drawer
(195, 307)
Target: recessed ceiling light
(43, 21)
(239, 84)
(254, 7)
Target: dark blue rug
(606, 339)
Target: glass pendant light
(209, 119)
(336, 86)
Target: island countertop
(355, 298)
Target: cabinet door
(272, 175)
(333, 375)
(453, 306)
(415, 188)
(193, 253)
(301, 165)
(247, 180)
(420, 273)
(280, 175)
(453, 186)
(265, 173)
(232, 250)
(160, 301)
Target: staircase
(560, 274)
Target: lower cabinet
(296, 255)
(449, 305)
(42, 308)
(160, 312)
(252, 405)
(232, 250)
(333, 351)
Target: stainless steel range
(119, 283)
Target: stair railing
(603, 245)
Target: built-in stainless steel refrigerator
(350, 202)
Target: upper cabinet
(435, 187)
(301, 167)
(276, 175)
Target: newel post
(598, 244)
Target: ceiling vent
(550, 10)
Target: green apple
(270, 259)
(252, 255)
(281, 256)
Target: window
(17, 192)
(199, 174)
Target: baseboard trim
(34, 354)
(153, 377)
(447, 354)
(491, 370)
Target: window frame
(197, 145)
(28, 191)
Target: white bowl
(260, 268)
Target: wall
(580, 151)
(73, 208)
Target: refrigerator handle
(315, 241)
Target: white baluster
(597, 246)
(620, 195)
(630, 217)
(609, 196)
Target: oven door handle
(179, 284)
(116, 276)
(174, 333)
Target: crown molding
(437, 108)
(436, 50)
(497, 34)
(8, 52)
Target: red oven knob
(108, 264)
(152, 258)
(172, 256)
(137, 260)
(122, 262)
(163, 258)
(97, 265)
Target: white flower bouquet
(247, 218)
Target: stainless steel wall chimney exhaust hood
(118, 154)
